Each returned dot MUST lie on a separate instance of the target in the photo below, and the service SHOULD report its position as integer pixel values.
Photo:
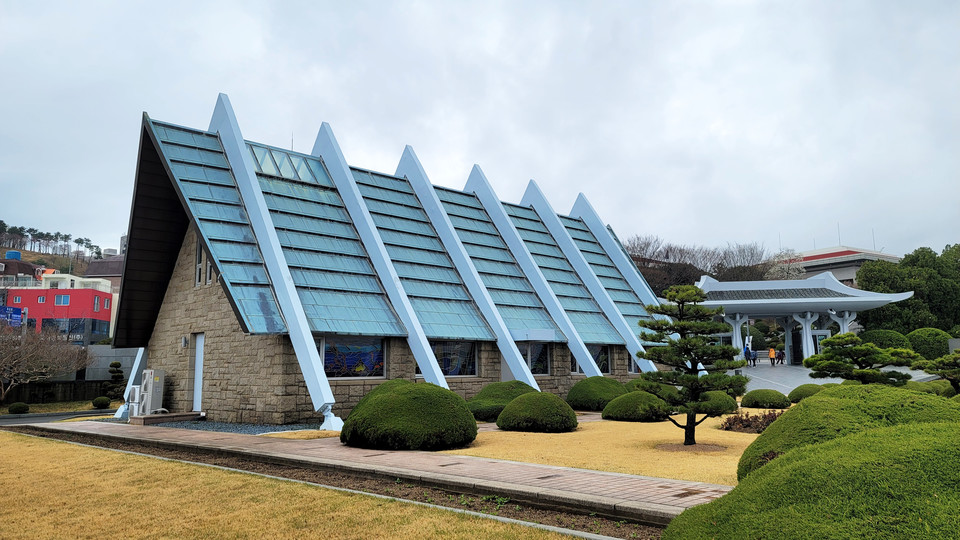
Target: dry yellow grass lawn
(303, 434)
(625, 447)
(52, 489)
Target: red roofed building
(842, 261)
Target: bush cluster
(18, 408)
(896, 482)
(749, 423)
(541, 412)
(401, 415)
(765, 399)
(842, 410)
(885, 339)
(929, 343)
(101, 402)
(487, 405)
(939, 387)
(593, 393)
(803, 391)
(637, 406)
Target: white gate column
(806, 322)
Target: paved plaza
(785, 378)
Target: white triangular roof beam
(225, 123)
(584, 210)
(411, 168)
(477, 184)
(327, 149)
(535, 198)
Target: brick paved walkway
(621, 496)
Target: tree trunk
(690, 430)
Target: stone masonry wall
(243, 375)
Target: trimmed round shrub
(637, 406)
(955, 331)
(829, 385)
(382, 388)
(666, 392)
(885, 339)
(956, 398)
(850, 382)
(842, 410)
(101, 402)
(487, 405)
(18, 408)
(930, 343)
(764, 398)
(415, 416)
(593, 393)
(842, 489)
(540, 412)
(715, 403)
(803, 391)
(943, 388)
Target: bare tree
(31, 356)
(786, 265)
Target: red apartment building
(77, 307)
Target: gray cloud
(769, 122)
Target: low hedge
(803, 391)
(593, 393)
(18, 408)
(101, 402)
(414, 416)
(487, 405)
(896, 482)
(637, 406)
(540, 412)
(764, 398)
(930, 343)
(885, 339)
(842, 410)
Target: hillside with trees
(61, 251)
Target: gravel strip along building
(273, 286)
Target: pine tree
(691, 354)
(846, 356)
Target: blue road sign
(13, 315)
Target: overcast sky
(702, 123)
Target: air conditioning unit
(133, 401)
(151, 391)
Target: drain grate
(449, 464)
(547, 476)
(375, 455)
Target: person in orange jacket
(772, 354)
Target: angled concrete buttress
(478, 184)
(411, 168)
(327, 149)
(225, 123)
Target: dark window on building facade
(456, 357)
(537, 354)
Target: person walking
(772, 355)
(780, 356)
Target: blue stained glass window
(353, 357)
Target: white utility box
(151, 391)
